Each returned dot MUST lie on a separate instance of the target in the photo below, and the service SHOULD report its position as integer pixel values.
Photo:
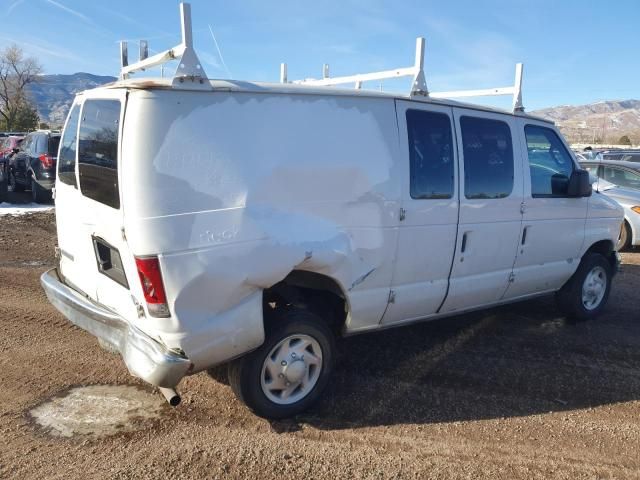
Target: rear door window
(488, 158)
(67, 159)
(430, 154)
(40, 144)
(98, 151)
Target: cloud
(13, 5)
(472, 59)
(70, 10)
(94, 26)
(50, 50)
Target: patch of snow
(22, 208)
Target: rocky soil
(515, 392)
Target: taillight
(46, 160)
(152, 286)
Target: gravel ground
(511, 393)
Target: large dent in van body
(237, 190)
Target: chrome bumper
(145, 357)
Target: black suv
(34, 166)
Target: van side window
(488, 158)
(550, 164)
(98, 151)
(67, 158)
(430, 154)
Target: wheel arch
(319, 293)
(606, 248)
(634, 233)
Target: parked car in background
(9, 144)
(621, 155)
(33, 167)
(620, 180)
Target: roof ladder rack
(419, 84)
(515, 90)
(189, 73)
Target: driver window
(550, 164)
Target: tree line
(17, 71)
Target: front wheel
(290, 370)
(585, 295)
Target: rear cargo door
(92, 210)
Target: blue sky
(574, 52)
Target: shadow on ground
(515, 360)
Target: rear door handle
(524, 235)
(464, 243)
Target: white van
(252, 224)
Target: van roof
(302, 89)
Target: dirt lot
(511, 393)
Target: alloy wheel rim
(594, 288)
(291, 369)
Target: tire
(39, 194)
(220, 373)
(256, 380)
(586, 293)
(624, 241)
(13, 185)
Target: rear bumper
(144, 357)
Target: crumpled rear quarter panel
(235, 190)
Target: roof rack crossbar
(189, 66)
(419, 85)
(515, 90)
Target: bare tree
(16, 72)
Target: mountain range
(602, 122)
(53, 94)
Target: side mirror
(579, 184)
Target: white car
(208, 222)
(620, 180)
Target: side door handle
(524, 235)
(463, 247)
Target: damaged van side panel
(233, 191)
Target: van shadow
(515, 360)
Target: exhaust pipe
(171, 395)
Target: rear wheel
(585, 295)
(624, 240)
(39, 194)
(290, 370)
